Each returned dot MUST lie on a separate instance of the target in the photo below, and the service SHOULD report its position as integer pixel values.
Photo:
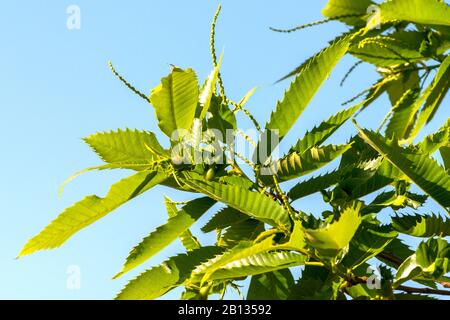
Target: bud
(210, 174)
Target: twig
(284, 198)
(391, 258)
(423, 290)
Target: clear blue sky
(56, 88)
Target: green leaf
(296, 164)
(396, 48)
(243, 250)
(175, 100)
(431, 261)
(237, 180)
(223, 219)
(259, 264)
(158, 280)
(313, 185)
(338, 234)
(404, 81)
(222, 118)
(396, 249)
(368, 242)
(445, 154)
(367, 177)
(254, 204)
(91, 209)
(241, 231)
(247, 258)
(316, 283)
(320, 134)
(437, 140)
(422, 226)
(128, 149)
(434, 95)
(187, 239)
(271, 286)
(247, 96)
(396, 201)
(209, 90)
(167, 233)
(362, 292)
(342, 8)
(431, 12)
(310, 78)
(419, 168)
(403, 114)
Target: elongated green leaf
(237, 180)
(398, 251)
(158, 280)
(242, 251)
(259, 264)
(368, 241)
(175, 100)
(445, 153)
(310, 78)
(396, 201)
(316, 283)
(187, 239)
(402, 114)
(313, 185)
(345, 9)
(241, 231)
(434, 95)
(209, 90)
(247, 96)
(271, 286)
(362, 292)
(223, 219)
(222, 118)
(405, 81)
(437, 140)
(254, 204)
(320, 134)
(337, 235)
(367, 177)
(422, 226)
(129, 149)
(296, 164)
(430, 261)
(249, 258)
(419, 168)
(166, 234)
(91, 209)
(430, 12)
